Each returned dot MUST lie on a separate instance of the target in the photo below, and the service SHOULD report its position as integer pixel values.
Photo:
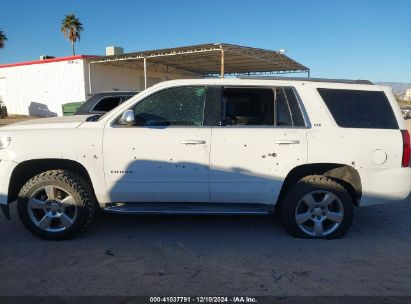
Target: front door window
(180, 106)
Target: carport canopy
(213, 59)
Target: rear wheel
(56, 205)
(317, 207)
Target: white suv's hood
(66, 122)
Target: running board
(189, 208)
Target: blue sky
(337, 39)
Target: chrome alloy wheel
(319, 213)
(52, 208)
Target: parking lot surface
(204, 255)
(211, 255)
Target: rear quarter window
(359, 109)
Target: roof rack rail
(355, 81)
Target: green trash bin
(70, 108)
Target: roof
(329, 80)
(46, 61)
(207, 59)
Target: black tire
(310, 186)
(82, 195)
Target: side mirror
(127, 118)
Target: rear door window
(359, 109)
(248, 106)
(277, 106)
(297, 117)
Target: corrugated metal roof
(206, 59)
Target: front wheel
(56, 205)
(317, 207)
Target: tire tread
(73, 180)
(312, 183)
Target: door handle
(193, 142)
(287, 142)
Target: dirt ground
(211, 255)
(14, 118)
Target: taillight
(405, 148)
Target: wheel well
(344, 174)
(28, 169)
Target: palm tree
(3, 38)
(71, 27)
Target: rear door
(261, 137)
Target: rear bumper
(383, 186)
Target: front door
(262, 137)
(165, 156)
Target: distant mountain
(398, 88)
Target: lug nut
(319, 217)
(48, 209)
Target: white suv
(307, 148)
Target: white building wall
(41, 89)
(106, 77)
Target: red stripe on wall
(46, 61)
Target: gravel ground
(176, 255)
(211, 255)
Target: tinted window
(283, 117)
(297, 117)
(176, 106)
(124, 98)
(359, 109)
(107, 104)
(214, 106)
